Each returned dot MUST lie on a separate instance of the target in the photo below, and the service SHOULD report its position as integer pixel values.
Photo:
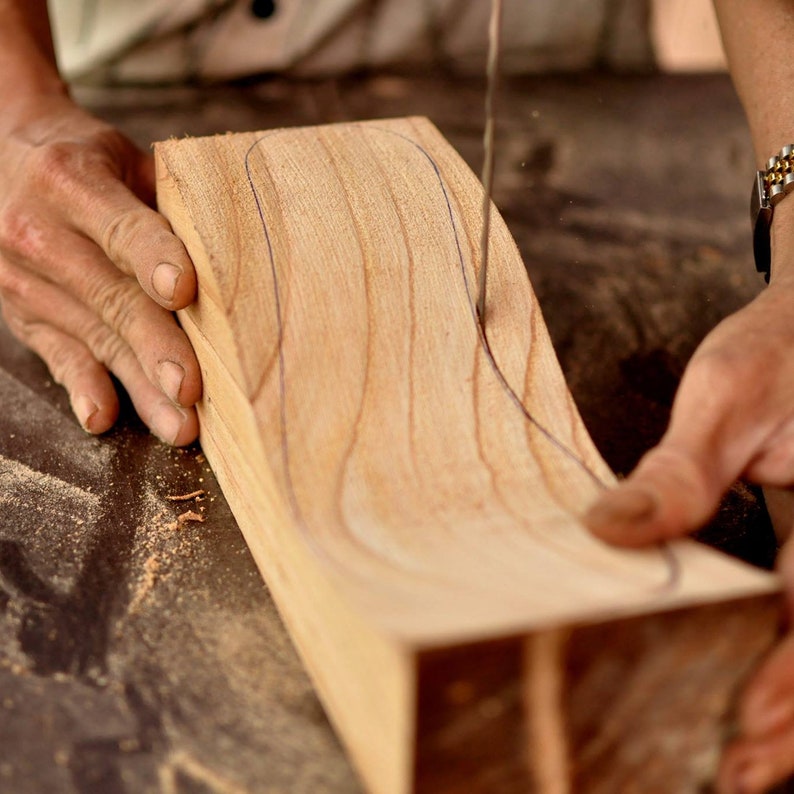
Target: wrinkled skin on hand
(733, 417)
(90, 273)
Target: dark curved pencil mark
(511, 393)
(666, 550)
(282, 383)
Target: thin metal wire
(494, 50)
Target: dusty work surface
(139, 651)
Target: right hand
(90, 273)
(733, 417)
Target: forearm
(27, 57)
(757, 35)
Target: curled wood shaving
(183, 518)
(189, 515)
(186, 496)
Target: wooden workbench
(135, 656)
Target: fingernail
(167, 421)
(84, 408)
(170, 375)
(164, 280)
(622, 506)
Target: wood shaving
(197, 495)
(189, 515)
(183, 518)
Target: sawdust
(49, 517)
(22, 486)
(151, 568)
(159, 539)
(71, 454)
(15, 668)
(198, 618)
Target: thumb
(732, 416)
(678, 485)
(667, 495)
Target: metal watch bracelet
(769, 187)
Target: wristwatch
(769, 187)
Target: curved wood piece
(410, 490)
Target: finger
(665, 497)
(71, 364)
(774, 466)
(152, 333)
(99, 202)
(675, 488)
(754, 766)
(171, 423)
(767, 705)
(678, 485)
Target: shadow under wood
(640, 704)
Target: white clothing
(147, 41)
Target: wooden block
(411, 493)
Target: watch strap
(770, 186)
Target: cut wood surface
(411, 490)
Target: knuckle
(57, 165)
(118, 302)
(67, 361)
(718, 378)
(19, 325)
(107, 347)
(22, 235)
(63, 167)
(118, 234)
(54, 156)
(675, 466)
(62, 363)
(13, 283)
(115, 301)
(104, 345)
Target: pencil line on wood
(514, 398)
(667, 551)
(282, 381)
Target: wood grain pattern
(407, 488)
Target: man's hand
(90, 272)
(733, 417)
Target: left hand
(89, 272)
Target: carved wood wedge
(411, 490)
